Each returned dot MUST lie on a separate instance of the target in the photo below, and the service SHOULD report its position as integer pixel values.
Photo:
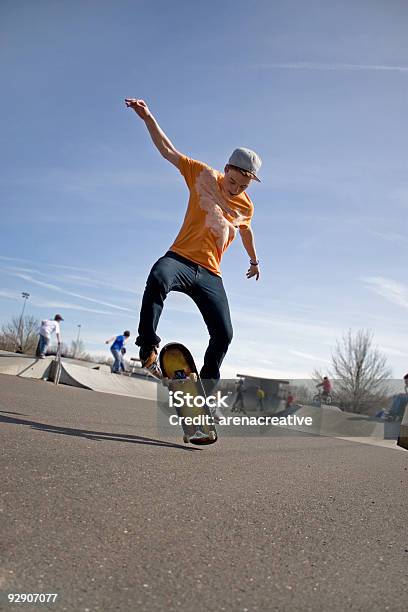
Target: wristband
(254, 263)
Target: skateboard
(180, 374)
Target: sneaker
(155, 370)
(199, 436)
(148, 357)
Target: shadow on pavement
(93, 435)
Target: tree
(75, 351)
(22, 337)
(317, 376)
(302, 393)
(360, 370)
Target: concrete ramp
(105, 382)
(76, 373)
(331, 421)
(26, 367)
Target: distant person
(399, 404)
(289, 401)
(116, 350)
(327, 386)
(260, 396)
(239, 399)
(45, 331)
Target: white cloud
(389, 289)
(68, 306)
(10, 295)
(296, 327)
(90, 181)
(71, 293)
(308, 356)
(337, 66)
(74, 279)
(16, 296)
(94, 282)
(391, 237)
(393, 351)
(317, 66)
(71, 268)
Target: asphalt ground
(100, 508)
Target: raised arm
(160, 140)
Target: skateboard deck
(180, 374)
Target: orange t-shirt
(212, 220)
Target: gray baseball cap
(246, 160)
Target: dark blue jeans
(175, 273)
(118, 364)
(42, 345)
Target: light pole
(77, 340)
(25, 297)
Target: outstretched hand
(253, 271)
(139, 106)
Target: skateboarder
(117, 351)
(218, 207)
(45, 331)
(239, 399)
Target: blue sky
(318, 89)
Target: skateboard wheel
(193, 377)
(185, 439)
(212, 435)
